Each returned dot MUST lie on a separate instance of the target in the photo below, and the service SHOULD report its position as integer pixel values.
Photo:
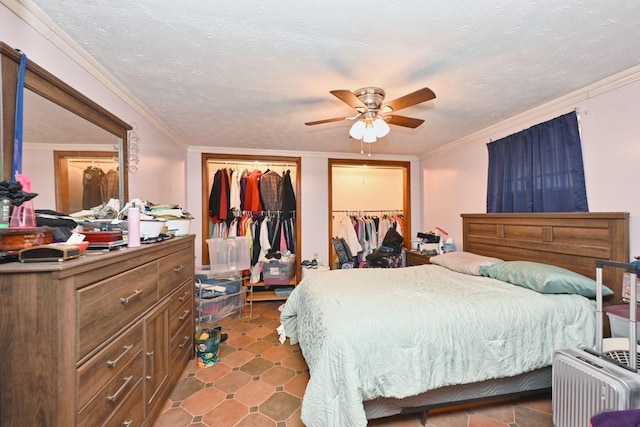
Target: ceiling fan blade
(319, 122)
(348, 98)
(408, 122)
(422, 95)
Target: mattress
(372, 333)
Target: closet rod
(96, 160)
(368, 210)
(267, 212)
(246, 163)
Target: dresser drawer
(180, 349)
(102, 368)
(174, 270)
(113, 394)
(130, 413)
(181, 308)
(107, 306)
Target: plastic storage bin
(213, 309)
(212, 305)
(229, 254)
(619, 320)
(278, 272)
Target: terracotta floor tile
(257, 366)
(226, 414)
(272, 338)
(233, 382)
(280, 405)
(238, 358)
(185, 388)
(259, 332)
(256, 420)
(254, 393)
(213, 373)
(241, 341)
(295, 362)
(203, 401)
(174, 417)
(539, 403)
(527, 417)
(278, 375)
(259, 347)
(276, 354)
(297, 385)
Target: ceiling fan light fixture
(357, 130)
(381, 127)
(369, 135)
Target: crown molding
(567, 103)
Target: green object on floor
(208, 347)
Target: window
(538, 169)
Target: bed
(379, 342)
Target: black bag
(342, 250)
(392, 240)
(391, 245)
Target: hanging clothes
(270, 186)
(288, 196)
(110, 185)
(92, 178)
(252, 193)
(261, 197)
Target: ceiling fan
(373, 114)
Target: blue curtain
(538, 169)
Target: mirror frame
(45, 84)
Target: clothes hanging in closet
(255, 191)
(92, 187)
(110, 185)
(363, 233)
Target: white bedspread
(367, 333)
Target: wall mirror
(63, 132)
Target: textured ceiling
(249, 74)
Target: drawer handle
(179, 268)
(153, 368)
(185, 315)
(114, 396)
(128, 423)
(184, 342)
(133, 296)
(113, 363)
(184, 296)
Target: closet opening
(85, 179)
(262, 211)
(372, 190)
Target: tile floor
(259, 382)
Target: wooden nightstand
(416, 258)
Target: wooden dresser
(99, 340)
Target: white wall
(455, 179)
(367, 188)
(161, 173)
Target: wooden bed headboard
(572, 240)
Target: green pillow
(543, 278)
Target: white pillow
(464, 262)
